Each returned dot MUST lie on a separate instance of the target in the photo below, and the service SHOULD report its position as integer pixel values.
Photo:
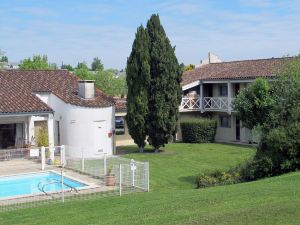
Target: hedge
(198, 130)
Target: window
(11, 135)
(225, 121)
(223, 90)
(120, 125)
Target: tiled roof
(17, 88)
(120, 104)
(246, 69)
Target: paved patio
(16, 166)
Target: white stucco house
(74, 112)
(209, 90)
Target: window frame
(221, 121)
(221, 89)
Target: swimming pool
(34, 183)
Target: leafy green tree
(84, 73)
(109, 82)
(164, 90)
(254, 103)
(189, 67)
(105, 80)
(281, 131)
(37, 62)
(275, 107)
(2, 61)
(120, 86)
(138, 80)
(66, 67)
(97, 65)
(82, 65)
(53, 66)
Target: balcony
(190, 104)
(222, 104)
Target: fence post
(52, 150)
(62, 185)
(105, 164)
(82, 161)
(62, 155)
(120, 178)
(132, 168)
(43, 157)
(146, 176)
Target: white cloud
(194, 27)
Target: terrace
(210, 96)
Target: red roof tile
(246, 69)
(18, 88)
(120, 104)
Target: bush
(42, 137)
(217, 178)
(282, 145)
(256, 169)
(275, 108)
(198, 130)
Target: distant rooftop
(18, 88)
(243, 69)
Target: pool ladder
(42, 189)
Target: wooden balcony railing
(205, 104)
(216, 103)
(190, 104)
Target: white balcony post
(201, 96)
(229, 91)
(51, 130)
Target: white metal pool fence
(31, 177)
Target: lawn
(173, 198)
(178, 165)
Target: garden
(174, 198)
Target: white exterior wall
(225, 133)
(82, 128)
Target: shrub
(257, 168)
(42, 137)
(198, 130)
(282, 145)
(275, 108)
(217, 178)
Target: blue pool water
(28, 184)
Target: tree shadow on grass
(122, 150)
(189, 180)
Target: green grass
(173, 198)
(178, 165)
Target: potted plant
(48, 158)
(110, 178)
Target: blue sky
(73, 30)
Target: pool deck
(17, 166)
(23, 166)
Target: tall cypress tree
(164, 90)
(138, 77)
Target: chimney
(86, 89)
